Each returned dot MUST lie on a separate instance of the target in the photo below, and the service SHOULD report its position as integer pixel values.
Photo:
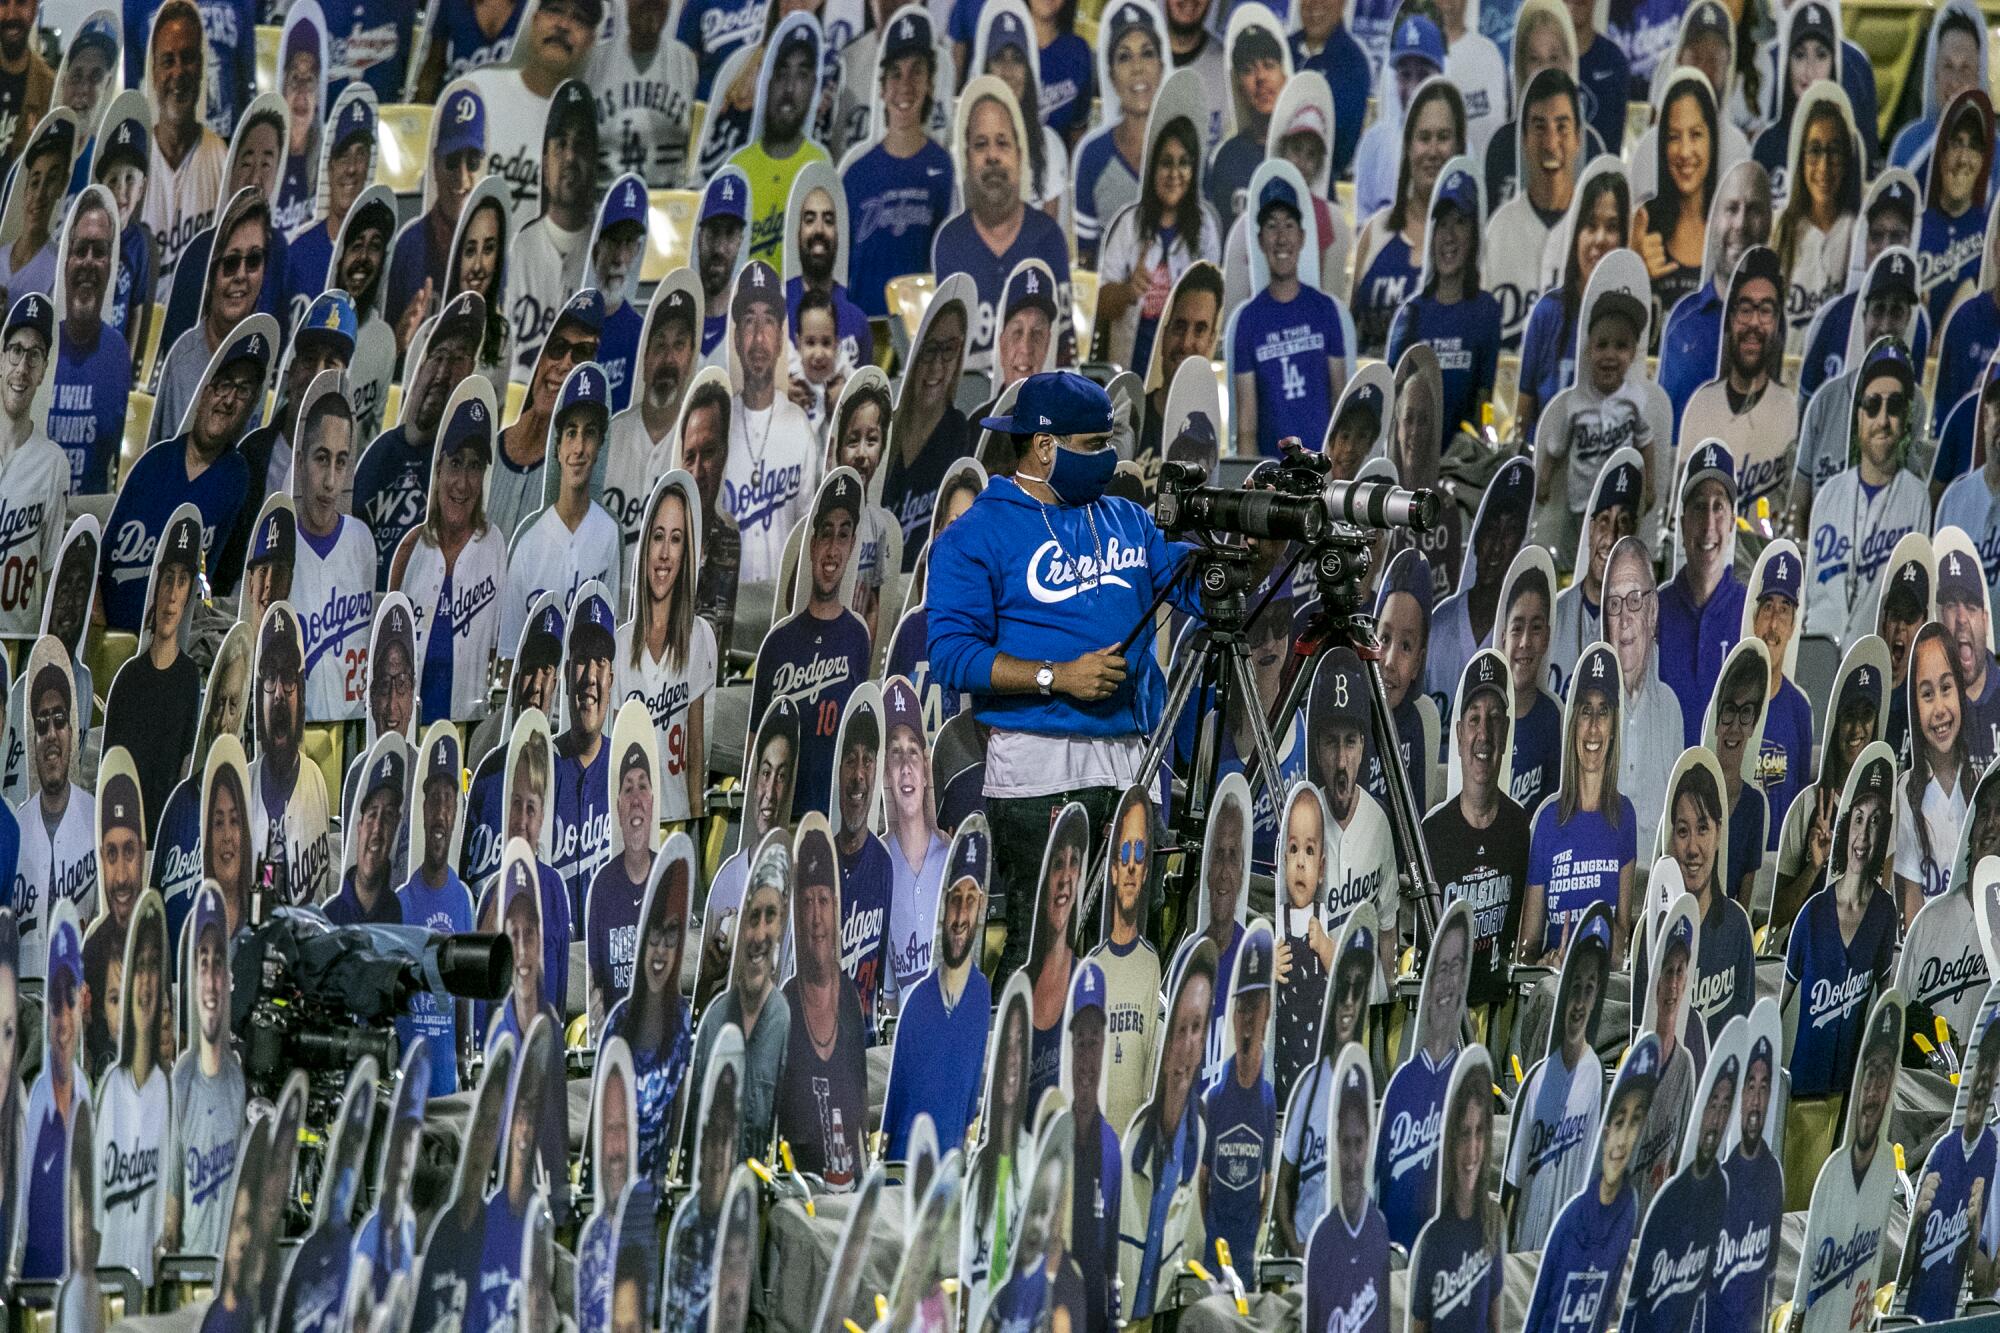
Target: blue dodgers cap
(1596, 670)
(910, 34)
(1960, 579)
(1126, 17)
(756, 284)
(841, 491)
(118, 805)
(461, 123)
(386, 774)
(96, 31)
(1408, 572)
(209, 913)
(1761, 1053)
(1277, 193)
(1487, 673)
(627, 202)
(970, 858)
(34, 313)
(441, 762)
(276, 537)
(900, 707)
(1641, 1063)
(1707, 19)
(1058, 402)
(1887, 356)
(1596, 932)
(330, 318)
(1253, 963)
(727, 196)
(182, 545)
(585, 310)
(301, 39)
(1512, 489)
(1894, 193)
(396, 623)
(1861, 689)
(1680, 936)
(470, 427)
(1878, 778)
(1618, 488)
(354, 120)
(1885, 1034)
(1812, 19)
(520, 884)
(65, 958)
(1416, 37)
(545, 632)
(1197, 441)
(247, 345)
(129, 140)
(1360, 950)
(1029, 286)
(1087, 991)
(585, 387)
(593, 632)
(1894, 273)
(1782, 575)
(1711, 458)
(1457, 189)
(1007, 31)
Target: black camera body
(1294, 501)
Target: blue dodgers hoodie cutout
(1014, 576)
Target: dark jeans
(1021, 827)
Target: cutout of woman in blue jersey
(1449, 306)
(1391, 247)
(1733, 732)
(1947, 1222)
(653, 1018)
(1599, 222)
(1523, 631)
(1585, 837)
(1455, 1267)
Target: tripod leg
(1245, 687)
(1405, 819)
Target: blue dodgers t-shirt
(580, 798)
(1785, 761)
(1945, 1244)
(938, 1062)
(1689, 345)
(1347, 1273)
(47, 1185)
(611, 929)
(135, 277)
(816, 664)
(1406, 1143)
(1835, 983)
(1969, 339)
(1577, 1280)
(1746, 836)
(1345, 67)
(1603, 84)
(1676, 1251)
(958, 249)
(1383, 288)
(895, 206)
(87, 412)
(158, 484)
(369, 40)
(177, 868)
(1069, 82)
(713, 30)
(1537, 754)
(866, 880)
(1242, 1132)
(1947, 254)
(1746, 1255)
(659, 1073)
(1548, 351)
(482, 817)
(392, 482)
(1466, 337)
(446, 909)
(1286, 345)
(1454, 1275)
(1578, 863)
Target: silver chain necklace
(1090, 517)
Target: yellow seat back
(670, 218)
(268, 39)
(321, 744)
(106, 650)
(1083, 307)
(138, 420)
(149, 346)
(405, 130)
(909, 296)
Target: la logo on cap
(757, 276)
(630, 197)
(478, 410)
(1033, 283)
(729, 187)
(908, 28)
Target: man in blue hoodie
(1032, 593)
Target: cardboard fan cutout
(1455, 1266)
(713, 1138)
(771, 768)
(583, 781)
(822, 1092)
(376, 860)
(391, 676)
(927, 1292)
(652, 1018)
(270, 562)
(614, 1145)
(867, 887)
(857, 437)
(701, 445)
(1678, 1238)
(757, 937)
(936, 1069)
(58, 1099)
(208, 1090)
(60, 866)
(1006, 1128)
(736, 1252)
(314, 1293)
(1589, 857)
(772, 462)
(1304, 948)
(1093, 1230)
(1747, 1253)
(1672, 959)
(1407, 1141)
(1340, 758)
(634, 1257)
(13, 1099)
(617, 888)
(1347, 1249)
(121, 861)
(1240, 1106)
(848, 1288)
(1052, 939)
(642, 436)
(448, 1275)
(298, 860)
(1129, 962)
(928, 433)
(385, 1244)
(1953, 1184)
(153, 707)
(667, 654)
(133, 1125)
(1479, 836)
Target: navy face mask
(1080, 478)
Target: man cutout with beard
(547, 262)
(817, 657)
(718, 249)
(615, 252)
(773, 162)
(639, 432)
(121, 861)
(1098, 1156)
(818, 243)
(1365, 870)
(58, 859)
(552, 47)
(1747, 405)
(1692, 335)
(1747, 1262)
(435, 898)
(823, 1103)
(1131, 966)
(360, 268)
(1480, 837)
(770, 470)
(583, 753)
(367, 895)
(939, 1059)
(288, 808)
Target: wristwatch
(1045, 679)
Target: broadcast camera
(1298, 503)
(310, 995)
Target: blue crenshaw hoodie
(1013, 576)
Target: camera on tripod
(317, 997)
(1294, 501)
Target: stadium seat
(149, 346)
(1083, 304)
(322, 744)
(517, 393)
(138, 420)
(268, 38)
(670, 218)
(392, 406)
(406, 133)
(105, 650)
(1638, 119)
(908, 296)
